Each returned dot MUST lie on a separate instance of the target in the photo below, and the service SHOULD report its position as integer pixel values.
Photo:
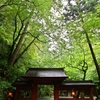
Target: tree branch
(5, 4)
(20, 55)
(17, 49)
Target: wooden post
(8, 98)
(34, 93)
(91, 94)
(56, 92)
(17, 94)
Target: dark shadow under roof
(22, 83)
(78, 83)
(45, 72)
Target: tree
(79, 14)
(74, 8)
(20, 15)
(22, 24)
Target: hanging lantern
(10, 94)
(73, 93)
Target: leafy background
(48, 34)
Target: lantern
(73, 93)
(9, 95)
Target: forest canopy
(49, 33)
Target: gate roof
(45, 72)
(44, 75)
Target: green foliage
(45, 91)
(14, 15)
(88, 22)
(47, 41)
(4, 85)
(73, 10)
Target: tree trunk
(93, 55)
(17, 49)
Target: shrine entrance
(35, 80)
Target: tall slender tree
(76, 11)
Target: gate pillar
(56, 94)
(34, 93)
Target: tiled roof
(45, 72)
(78, 83)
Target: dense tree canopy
(84, 21)
(49, 33)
